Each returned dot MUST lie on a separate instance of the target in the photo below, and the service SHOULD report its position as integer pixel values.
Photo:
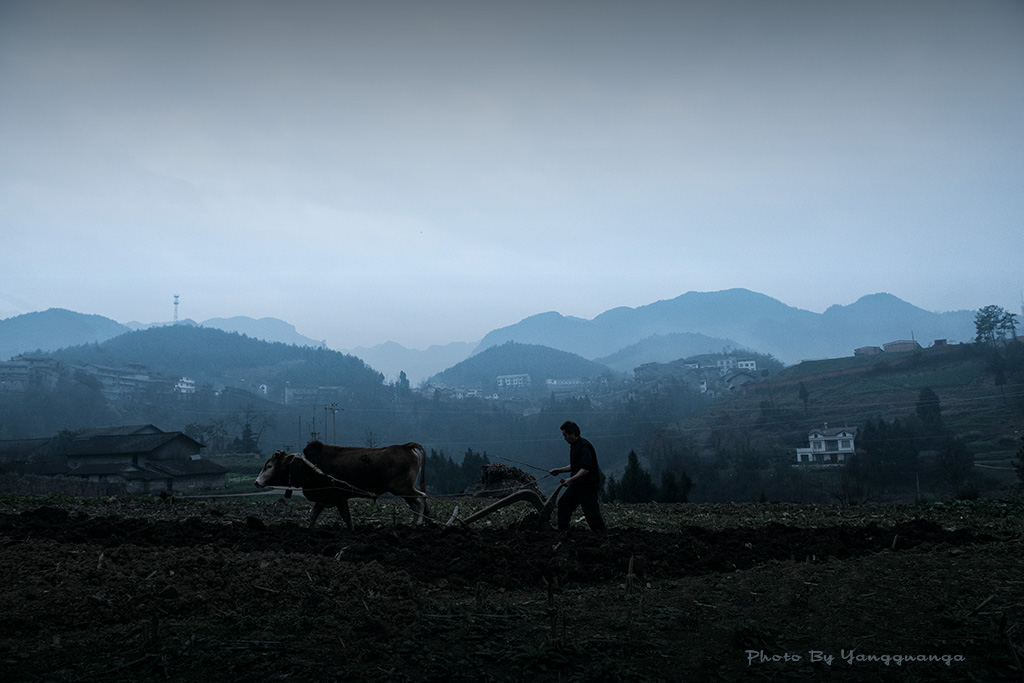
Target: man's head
(570, 431)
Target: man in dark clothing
(583, 482)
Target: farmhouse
(827, 446)
(143, 458)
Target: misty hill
(391, 359)
(53, 329)
(753, 320)
(218, 357)
(540, 362)
(267, 329)
(664, 348)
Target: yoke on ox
(330, 475)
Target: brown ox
(330, 475)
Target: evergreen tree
(892, 455)
(636, 485)
(673, 489)
(805, 396)
(472, 466)
(954, 463)
(610, 491)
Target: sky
(425, 172)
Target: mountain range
(620, 338)
(743, 319)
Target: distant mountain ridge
(265, 329)
(57, 328)
(52, 329)
(693, 323)
(751, 320)
(392, 358)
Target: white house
(827, 446)
(185, 385)
(513, 380)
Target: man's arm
(579, 473)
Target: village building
(827, 446)
(522, 380)
(185, 385)
(901, 345)
(736, 380)
(142, 458)
(22, 373)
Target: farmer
(583, 482)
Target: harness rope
(373, 496)
(312, 465)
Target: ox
(330, 475)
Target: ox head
(275, 471)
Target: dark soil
(135, 591)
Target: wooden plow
(544, 507)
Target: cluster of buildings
(25, 372)
(125, 384)
(708, 373)
(140, 458)
(899, 346)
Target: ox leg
(418, 503)
(346, 514)
(317, 509)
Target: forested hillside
(540, 362)
(733, 441)
(209, 354)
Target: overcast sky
(424, 172)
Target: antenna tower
(175, 309)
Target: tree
(253, 425)
(403, 391)
(990, 324)
(804, 396)
(636, 485)
(213, 435)
(610, 490)
(1008, 324)
(954, 463)
(890, 450)
(673, 490)
(929, 411)
(473, 465)
(245, 443)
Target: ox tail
(421, 453)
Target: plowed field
(139, 590)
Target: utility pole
(334, 418)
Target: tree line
(637, 486)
